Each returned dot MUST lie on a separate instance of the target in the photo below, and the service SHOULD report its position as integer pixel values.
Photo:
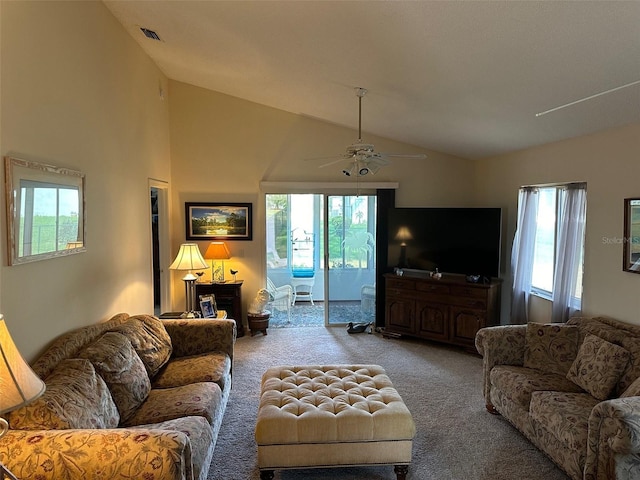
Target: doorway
(324, 248)
(159, 197)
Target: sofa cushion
(518, 383)
(632, 345)
(632, 390)
(598, 366)
(122, 370)
(149, 339)
(565, 415)
(550, 347)
(200, 437)
(200, 399)
(208, 367)
(76, 397)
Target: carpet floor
(456, 439)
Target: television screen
(453, 240)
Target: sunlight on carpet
(307, 315)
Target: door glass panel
(295, 245)
(351, 268)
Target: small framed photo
(208, 306)
(218, 221)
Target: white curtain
(522, 254)
(570, 245)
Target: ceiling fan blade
(337, 160)
(329, 157)
(402, 155)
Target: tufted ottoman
(331, 416)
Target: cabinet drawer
(479, 303)
(469, 292)
(400, 283)
(433, 288)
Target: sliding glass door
(331, 276)
(350, 269)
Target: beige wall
(78, 92)
(609, 163)
(223, 147)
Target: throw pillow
(550, 347)
(149, 339)
(76, 397)
(598, 366)
(122, 370)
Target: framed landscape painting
(218, 221)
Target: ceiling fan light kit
(362, 157)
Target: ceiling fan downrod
(360, 92)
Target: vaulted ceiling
(460, 77)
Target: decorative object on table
(218, 221)
(259, 303)
(257, 313)
(189, 258)
(20, 385)
(359, 327)
(234, 273)
(207, 306)
(199, 275)
(217, 251)
(436, 275)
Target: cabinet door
(399, 315)
(432, 320)
(465, 323)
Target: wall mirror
(631, 239)
(45, 211)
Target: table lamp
(19, 385)
(189, 258)
(403, 235)
(217, 251)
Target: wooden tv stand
(449, 310)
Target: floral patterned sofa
(134, 397)
(572, 389)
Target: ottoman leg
(401, 471)
(266, 474)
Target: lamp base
(5, 473)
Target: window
(48, 218)
(548, 249)
(546, 244)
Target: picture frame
(631, 238)
(208, 306)
(38, 226)
(218, 221)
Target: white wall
(77, 91)
(609, 163)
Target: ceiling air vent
(150, 34)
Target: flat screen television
(453, 240)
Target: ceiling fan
(361, 157)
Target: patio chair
(281, 297)
(368, 299)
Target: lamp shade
(19, 385)
(404, 234)
(217, 251)
(189, 258)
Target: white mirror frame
(18, 171)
